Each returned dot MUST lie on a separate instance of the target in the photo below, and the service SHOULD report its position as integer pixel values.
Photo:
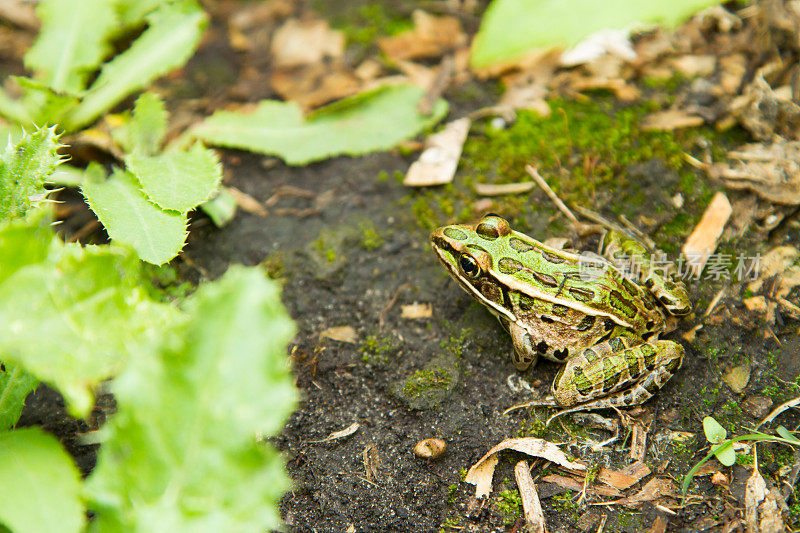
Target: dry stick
(440, 83)
(534, 173)
(778, 410)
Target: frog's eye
(469, 266)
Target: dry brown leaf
(659, 525)
(695, 65)
(314, 85)
(772, 171)
(341, 334)
(737, 377)
(438, 162)
(703, 240)
(577, 486)
(481, 472)
(431, 37)
(304, 42)
(653, 489)
(418, 74)
(532, 507)
(497, 189)
(767, 112)
(761, 509)
(423, 310)
(625, 478)
(342, 433)
(671, 119)
(732, 69)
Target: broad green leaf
(40, 488)
(786, 434)
(44, 104)
(368, 122)
(715, 433)
(131, 13)
(13, 109)
(724, 453)
(181, 453)
(144, 130)
(169, 41)
(72, 42)
(24, 169)
(67, 176)
(73, 318)
(511, 28)
(15, 385)
(220, 209)
(177, 180)
(129, 217)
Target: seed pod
(430, 448)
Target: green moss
(166, 285)
(370, 239)
(565, 503)
(273, 265)
(509, 504)
(423, 380)
(454, 345)
(362, 24)
(376, 349)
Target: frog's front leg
(615, 374)
(525, 352)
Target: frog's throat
(496, 309)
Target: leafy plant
(512, 28)
(722, 447)
(195, 385)
(147, 204)
(75, 40)
(367, 122)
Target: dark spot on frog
(487, 231)
(542, 347)
(546, 319)
(561, 354)
(509, 266)
(583, 295)
(519, 245)
(586, 323)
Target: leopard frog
(576, 309)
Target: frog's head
(467, 252)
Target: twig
(778, 410)
(440, 83)
(534, 173)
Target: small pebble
(430, 448)
(498, 123)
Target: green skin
(579, 310)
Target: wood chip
(438, 162)
(737, 378)
(315, 85)
(305, 42)
(638, 442)
(671, 119)
(659, 525)
(341, 333)
(431, 37)
(577, 486)
(342, 433)
(492, 189)
(703, 240)
(423, 310)
(481, 472)
(532, 507)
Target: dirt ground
(351, 249)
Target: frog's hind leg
(613, 375)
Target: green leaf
(181, 452)
(715, 433)
(72, 42)
(220, 209)
(13, 109)
(145, 129)
(512, 28)
(40, 487)
(786, 434)
(131, 13)
(368, 122)
(155, 234)
(169, 41)
(67, 176)
(177, 180)
(24, 169)
(15, 385)
(71, 315)
(44, 104)
(724, 453)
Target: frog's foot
(547, 401)
(622, 377)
